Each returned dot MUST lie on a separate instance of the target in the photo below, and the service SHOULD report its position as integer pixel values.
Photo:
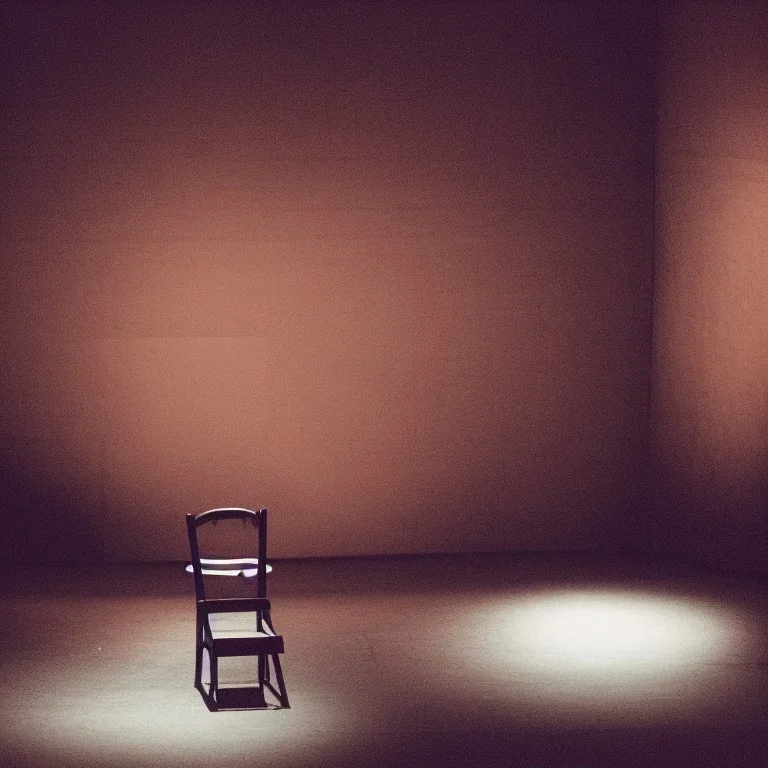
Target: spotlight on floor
(582, 656)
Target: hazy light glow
(126, 704)
(167, 727)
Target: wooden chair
(259, 639)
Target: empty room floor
(490, 660)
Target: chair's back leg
(263, 669)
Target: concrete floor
(434, 661)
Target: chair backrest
(257, 519)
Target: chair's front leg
(199, 655)
(214, 662)
(280, 681)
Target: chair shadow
(238, 698)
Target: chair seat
(246, 645)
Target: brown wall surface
(383, 268)
(711, 305)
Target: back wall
(382, 268)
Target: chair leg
(199, 659)
(263, 667)
(280, 681)
(214, 662)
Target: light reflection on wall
(710, 297)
